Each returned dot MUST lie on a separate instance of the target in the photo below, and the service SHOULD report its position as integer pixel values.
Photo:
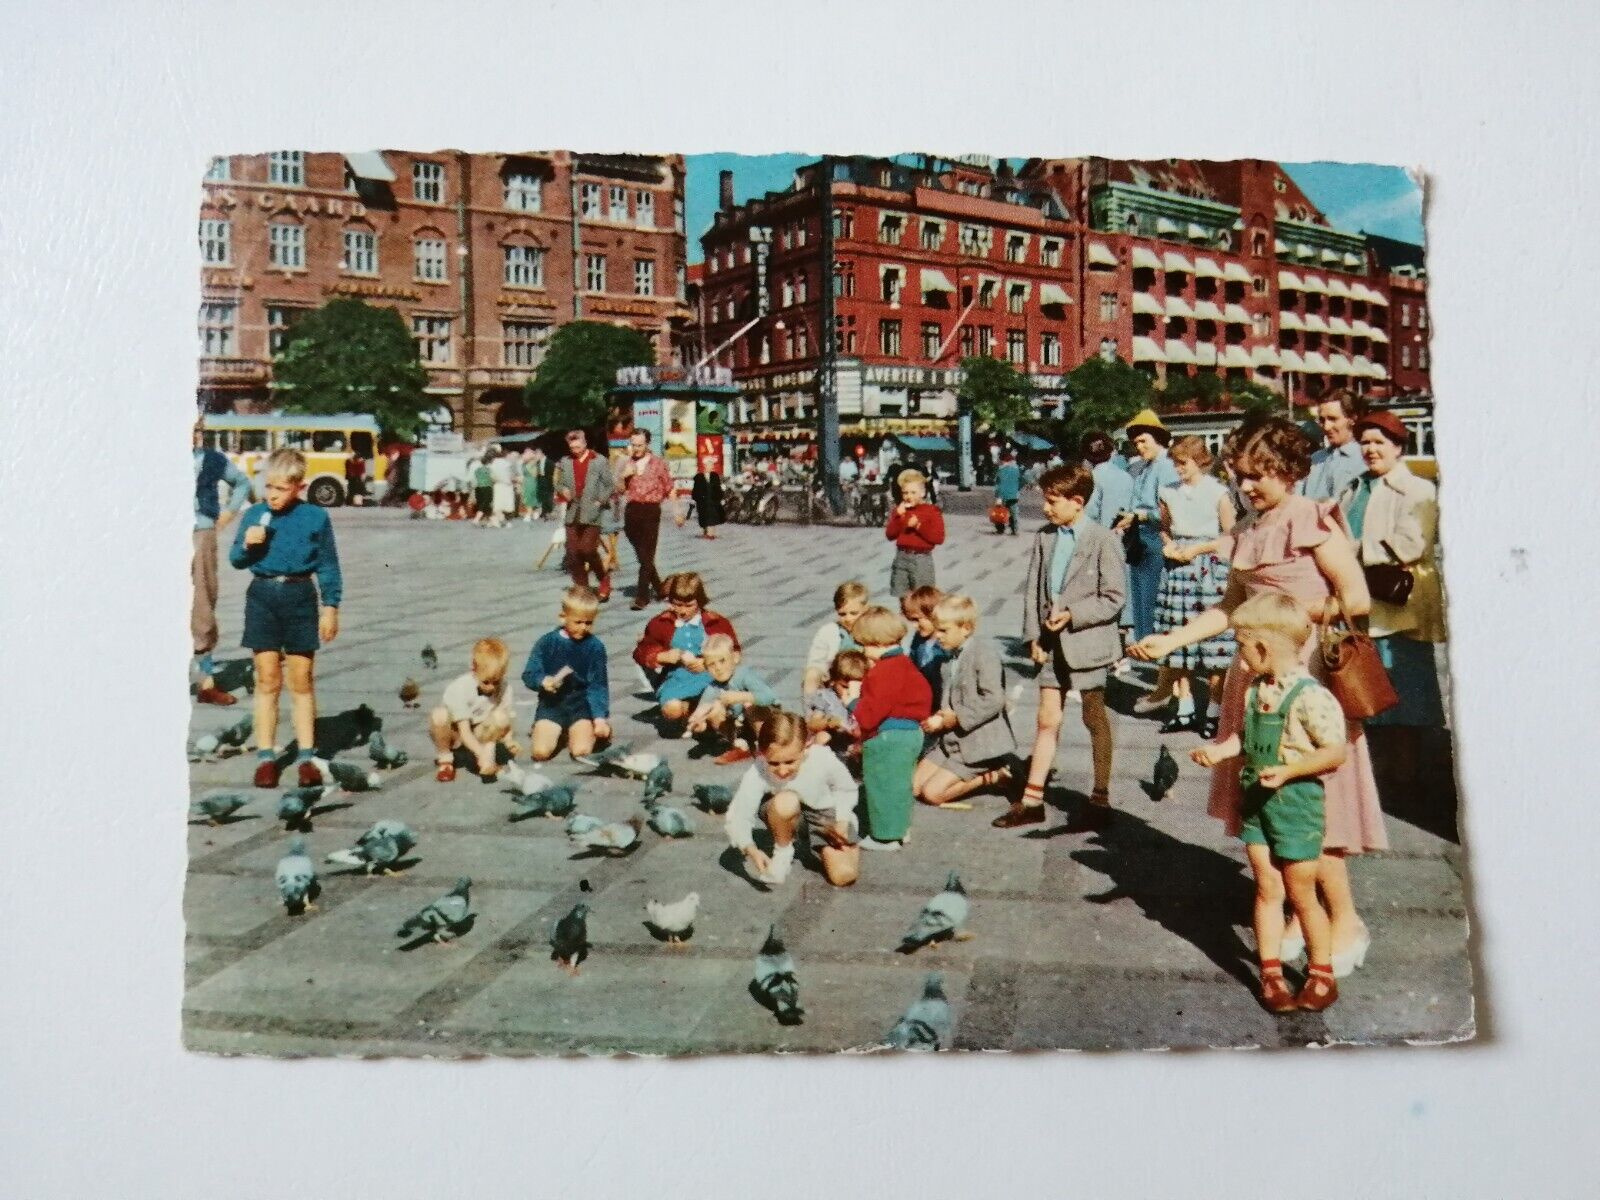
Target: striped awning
(1234, 314)
(1177, 352)
(1236, 356)
(1173, 261)
(1289, 281)
(1146, 350)
(1235, 273)
(1315, 362)
(1101, 255)
(1053, 294)
(1289, 319)
(1150, 306)
(934, 280)
(1207, 310)
(1206, 268)
(1145, 257)
(1177, 306)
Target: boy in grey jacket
(974, 742)
(1075, 590)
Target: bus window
(327, 441)
(218, 439)
(294, 439)
(361, 443)
(253, 441)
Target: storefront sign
(380, 291)
(293, 202)
(624, 308)
(650, 377)
(914, 377)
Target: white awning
(1340, 326)
(1338, 287)
(1145, 257)
(1267, 356)
(1378, 335)
(1205, 354)
(1331, 256)
(1279, 247)
(934, 280)
(1146, 350)
(1236, 356)
(1378, 298)
(1288, 360)
(1234, 314)
(1315, 324)
(1051, 293)
(1144, 302)
(1352, 260)
(1315, 362)
(1379, 371)
(1289, 281)
(1101, 255)
(1361, 365)
(1177, 352)
(1165, 226)
(1198, 233)
(1235, 273)
(1206, 310)
(1314, 283)
(1177, 306)
(1289, 319)
(1338, 364)
(1206, 268)
(1304, 251)
(1359, 328)
(369, 164)
(1173, 261)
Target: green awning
(926, 445)
(1031, 441)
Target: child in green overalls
(1294, 731)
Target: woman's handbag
(999, 515)
(1390, 582)
(1133, 547)
(1354, 669)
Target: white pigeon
(639, 763)
(617, 838)
(525, 781)
(676, 920)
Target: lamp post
(827, 389)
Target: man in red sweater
(915, 527)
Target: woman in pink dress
(1300, 547)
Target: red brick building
(482, 255)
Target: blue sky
(1355, 196)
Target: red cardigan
(658, 635)
(894, 687)
(928, 533)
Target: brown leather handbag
(1390, 582)
(1353, 667)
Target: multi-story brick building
(482, 255)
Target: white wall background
(108, 113)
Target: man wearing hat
(1143, 543)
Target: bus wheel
(325, 493)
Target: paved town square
(1136, 936)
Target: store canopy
(1100, 255)
(1235, 273)
(1236, 356)
(1145, 257)
(1177, 306)
(1206, 268)
(1234, 314)
(1031, 441)
(1177, 352)
(1053, 293)
(1146, 350)
(1207, 310)
(369, 164)
(1289, 319)
(936, 281)
(1173, 261)
(925, 445)
(1144, 302)
(1289, 281)
(1290, 361)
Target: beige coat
(1403, 511)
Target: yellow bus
(327, 441)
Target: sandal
(1319, 991)
(1276, 995)
(446, 772)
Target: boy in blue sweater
(734, 702)
(567, 671)
(286, 543)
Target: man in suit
(585, 484)
(1075, 590)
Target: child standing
(833, 637)
(974, 741)
(1074, 592)
(830, 710)
(475, 714)
(915, 527)
(566, 669)
(284, 543)
(1294, 731)
(802, 785)
(734, 702)
(927, 655)
(895, 700)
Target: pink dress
(1273, 552)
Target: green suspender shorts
(1289, 820)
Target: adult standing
(503, 479)
(1113, 496)
(646, 483)
(585, 484)
(1339, 462)
(1143, 518)
(1008, 487)
(211, 469)
(706, 495)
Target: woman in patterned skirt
(1195, 513)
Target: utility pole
(469, 404)
(827, 367)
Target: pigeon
(430, 657)
(294, 806)
(927, 1023)
(676, 920)
(203, 747)
(657, 783)
(1165, 775)
(582, 823)
(669, 822)
(379, 848)
(557, 800)
(410, 690)
(941, 918)
(569, 942)
(218, 807)
(775, 983)
(297, 879)
(713, 797)
(350, 777)
(524, 781)
(380, 753)
(445, 919)
(616, 839)
(237, 734)
(620, 760)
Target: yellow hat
(1146, 420)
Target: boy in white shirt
(475, 714)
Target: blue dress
(682, 683)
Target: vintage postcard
(691, 605)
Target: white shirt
(464, 702)
(825, 645)
(822, 783)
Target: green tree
(1256, 399)
(996, 391)
(1104, 395)
(569, 389)
(348, 356)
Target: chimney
(725, 190)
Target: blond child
(475, 714)
(830, 711)
(973, 740)
(734, 702)
(566, 669)
(850, 600)
(285, 544)
(895, 700)
(915, 527)
(927, 655)
(1294, 731)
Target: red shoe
(214, 695)
(1276, 995)
(446, 773)
(267, 773)
(729, 757)
(310, 776)
(1319, 991)
(605, 591)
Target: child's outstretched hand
(1209, 754)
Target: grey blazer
(975, 690)
(598, 485)
(1094, 591)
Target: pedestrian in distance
(584, 483)
(566, 670)
(212, 470)
(646, 483)
(672, 646)
(1113, 496)
(1141, 523)
(895, 700)
(475, 714)
(916, 528)
(1008, 487)
(973, 740)
(291, 608)
(503, 477)
(706, 498)
(482, 490)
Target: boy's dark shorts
(281, 616)
(1069, 680)
(565, 712)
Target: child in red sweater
(915, 528)
(895, 700)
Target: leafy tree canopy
(996, 391)
(569, 389)
(348, 356)
(1256, 400)
(1104, 395)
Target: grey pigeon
(380, 753)
(657, 783)
(350, 777)
(603, 759)
(569, 942)
(713, 797)
(294, 806)
(941, 918)
(557, 800)
(238, 734)
(579, 824)
(218, 807)
(616, 839)
(430, 657)
(297, 879)
(1165, 775)
(669, 822)
(379, 848)
(445, 919)
(203, 747)
(927, 1023)
(775, 984)
(675, 920)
